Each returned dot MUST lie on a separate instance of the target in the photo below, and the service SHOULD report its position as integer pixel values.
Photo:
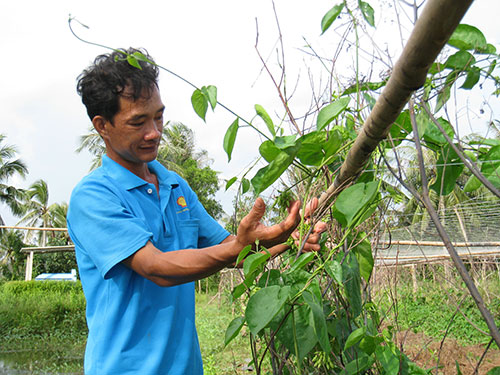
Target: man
(141, 236)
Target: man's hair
(104, 81)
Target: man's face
(134, 136)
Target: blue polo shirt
(135, 326)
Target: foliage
(314, 312)
(12, 262)
(41, 307)
(10, 167)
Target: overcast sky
(207, 42)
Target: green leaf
(352, 283)
(304, 329)
(494, 371)
(363, 252)
(319, 321)
(268, 150)
(302, 261)
(245, 185)
(200, 103)
(233, 329)
(368, 12)
(230, 138)
(141, 57)
(268, 278)
(267, 119)
(351, 202)
(266, 176)
(400, 129)
(230, 182)
(243, 253)
(238, 291)
(331, 16)
(211, 93)
(355, 337)
(472, 184)
(334, 270)
(433, 136)
(358, 366)
(252, 262)
(461, 60)
(285, 142)
(442, 98)
(132, 60)
(468, 37)
(369, 343)
(472, 78)
(449, 168)
(389, 360)
(331, 111)
(363, 86)
(264, 305)
(317, 146)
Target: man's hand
(312, 242)
(251, 228)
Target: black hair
(103, 82)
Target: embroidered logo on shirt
(181, 202)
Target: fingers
(312, 242)
(311, 207)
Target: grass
(438, 309)
(42, 327)
(212, 318)
(42, 324)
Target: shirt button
(150, 191)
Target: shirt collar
(130, 181)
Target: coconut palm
(9, 167)
(93, 143)
(11, 258)
(36, 209)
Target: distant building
(57, 276)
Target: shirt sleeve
(102, 227)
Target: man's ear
(100, 125)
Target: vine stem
(461, 154)
(71, 19)
(457, 261)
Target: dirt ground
(425, 352)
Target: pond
(38, 362)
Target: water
(40, 362)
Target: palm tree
(9, 167)
(94, 144)
(36, 209)
(11, 258)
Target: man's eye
(137, 124)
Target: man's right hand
(251, 228)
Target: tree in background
(11, 258)
(9, 167)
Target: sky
(206, 42)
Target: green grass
(42, 324)
(212, 318)
(432, 310)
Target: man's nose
(153, 131)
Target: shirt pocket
(188, 230)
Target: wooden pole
(431, 32)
